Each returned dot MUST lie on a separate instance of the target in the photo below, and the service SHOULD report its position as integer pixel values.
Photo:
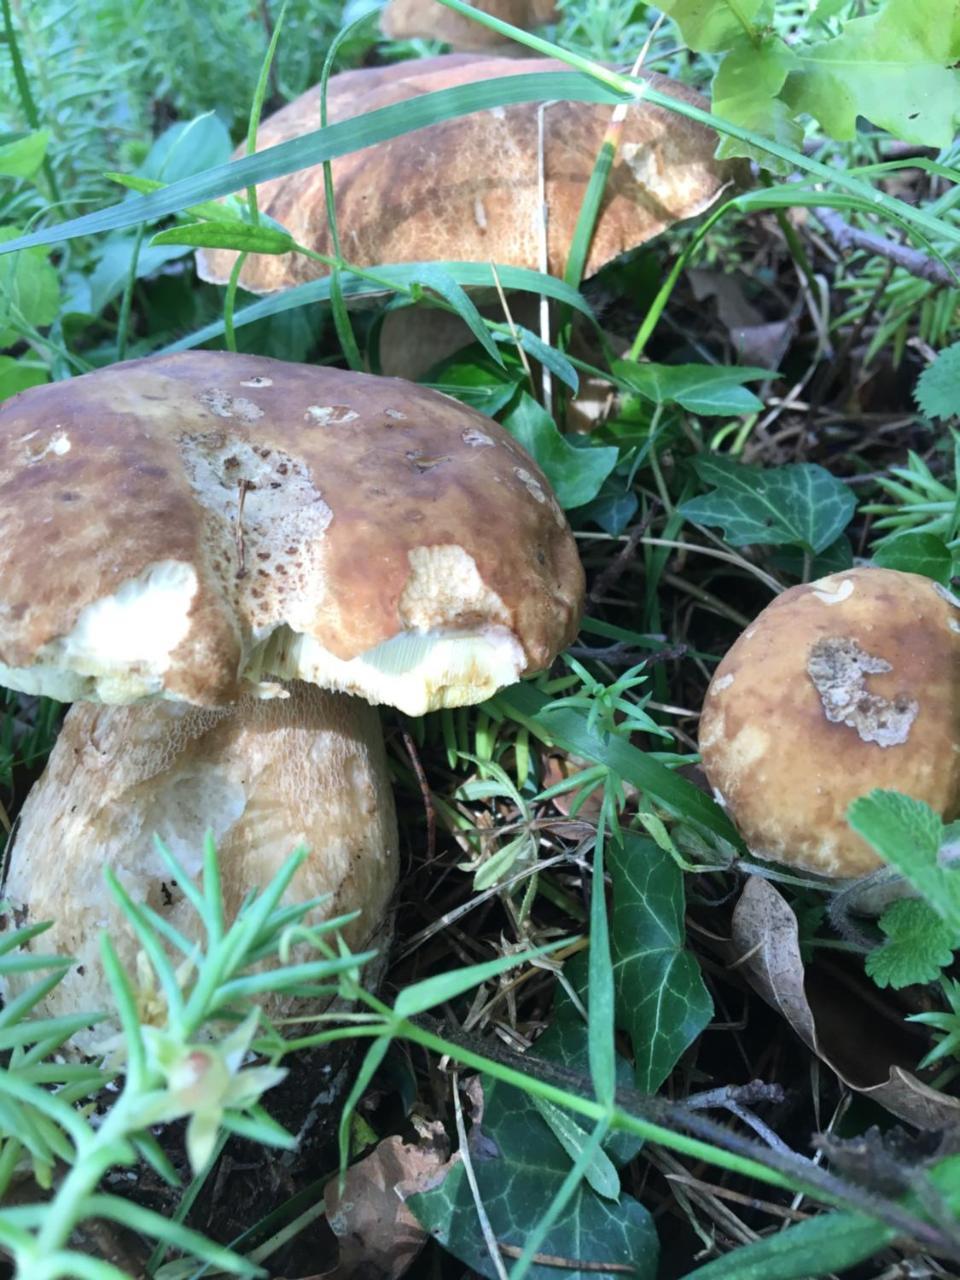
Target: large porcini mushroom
(205, 536)
(839, 686)
(429, 20)
(468, 188)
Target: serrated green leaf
(922, 553)
(709, 26)
(937, 392)
(242, 236)
(909, 836)
(895, 67)
(575, 474)
(831, 1242)
(799, 505)
(24, 156)
(662, 1003)
(745, 91)
(711, 390)
(919, 945)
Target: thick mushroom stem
(263, 775)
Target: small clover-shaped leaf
(918, 945)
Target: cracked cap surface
(191, 526)
(839, 686)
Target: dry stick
(914, 261)
(543, 232)
(615, 569)
(489, 1238)
(571, 1264)
(425, 793)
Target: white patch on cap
(326, 415)
(224, 405)
(531, 483)
(477, 438)
(835, 595)
(120, 645)
(445, 586)
(479, 214)
(57, 445)
(723, 683)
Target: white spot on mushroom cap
(58, 445)
(532, 484)
(836, 595)
(325, 415)
(257, 381)
(476, 438)
(838, 667)
(443, 587)
(724, 682)
(225, 405)
(479, 214)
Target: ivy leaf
(708, 26)
(661, 1001)
(911, 837)
(575, 474)
(474, 379)
(919, 945)
(699, 388)
(923, 553)
(520, 1163)
(937, 392)
(895, 67)
(797, 505)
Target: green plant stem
(126, 302)
(229, 303)
(26, 96)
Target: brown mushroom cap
(263, 776)
(185, 525)
(466, 189)
(839, 686)
(428, 20)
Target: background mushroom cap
(264, 776)
(183, 525)
(466, 189)
(410, 19)
(839, 686)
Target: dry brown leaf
(467, 189)
(409, 19)
(378, 1235)
(840, 1029)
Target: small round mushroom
(468, 188)
(199, 539)
(839, 686)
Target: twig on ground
(914, 261)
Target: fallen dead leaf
(378, 1235)
(840, 1029)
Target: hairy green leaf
(937, 392)
(798, 505)
(918, 945)
(911, 837)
